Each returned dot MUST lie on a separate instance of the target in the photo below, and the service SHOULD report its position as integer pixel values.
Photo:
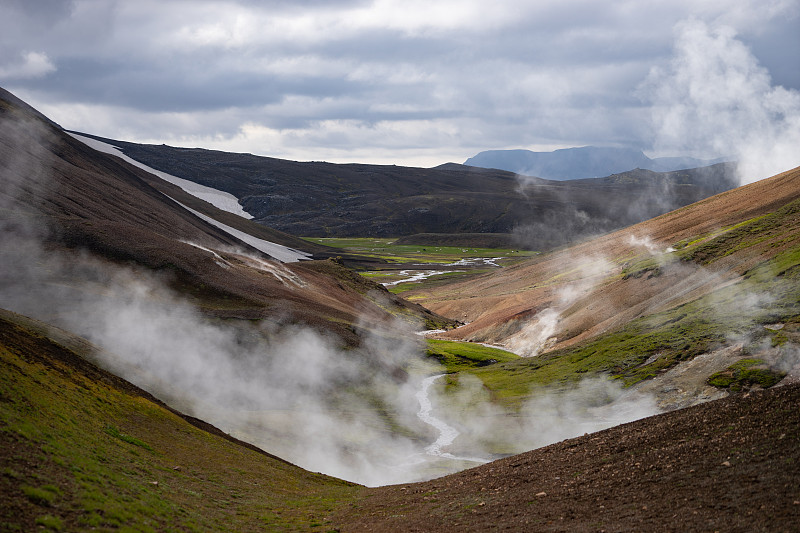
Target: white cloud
(29, 65)
(715, 99)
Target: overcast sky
(413, 82)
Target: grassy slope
(457, 356)
(652, 344)
(83, 449)
(386, 259)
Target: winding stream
(447, 433)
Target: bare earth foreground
(728, 465)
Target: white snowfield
(219, 199)
(280, 252)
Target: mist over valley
(555, 338)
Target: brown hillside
(728, 465)
(59, 191)
(603, 297)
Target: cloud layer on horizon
(410, 82)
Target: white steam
(353, 413)
(286, 388)
(551, 415)
(539, 333)
(647, 243)
(715, 99)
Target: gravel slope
(728, 465)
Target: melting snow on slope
(219, 199)
(278, 251)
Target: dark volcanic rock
(325, 199)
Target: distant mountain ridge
(319, 199)
(580, 163)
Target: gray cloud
(279, 78)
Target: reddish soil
(491, 303)
(727, 465)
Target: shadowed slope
(58, 191)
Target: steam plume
(286, 388)
(715, 99)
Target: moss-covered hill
(85, 450)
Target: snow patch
(219, 199)
(278, 251)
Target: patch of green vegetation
(58, 419)
(457, 356)
(645, 347)
(51, 522)
(745, 374)
(779, 339)
(385, 249)
(114, 432)
(380, 260)
(773, 226)
(45, 495)
(650, 266)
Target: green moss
(51, 522)
(773, 226)
(745, 374)
(44, 496)
(114, 432)
(649, 266)
(457, 356)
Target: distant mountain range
(579, 163)
(333, 200)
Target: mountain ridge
(324, 199)
(581, 163)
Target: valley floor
(727, 465)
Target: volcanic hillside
(325, 199)
(84, 449)
(652, 266)
(690, 300)
(59, 191)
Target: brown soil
(70, 197)
(491, 303)
(727, 465)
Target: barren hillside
(624, 275)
